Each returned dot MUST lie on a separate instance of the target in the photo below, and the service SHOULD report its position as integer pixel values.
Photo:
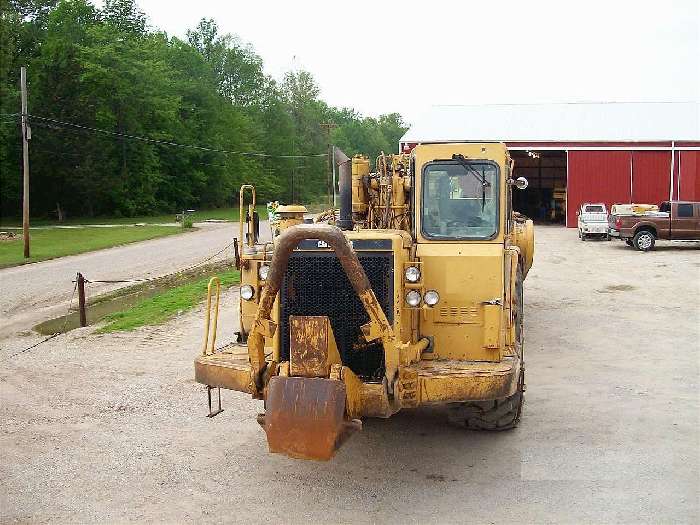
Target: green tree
(114, 77)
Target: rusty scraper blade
(305, 417)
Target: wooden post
(81, 299)
(25, 161)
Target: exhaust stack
(344, 164)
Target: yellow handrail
(251, 209)
(210, 350)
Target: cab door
(685, 221)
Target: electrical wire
(169, 143)
(55, 334)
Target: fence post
(81, 299)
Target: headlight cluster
(413, 298)
(247, 291)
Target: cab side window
(685, 210)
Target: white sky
(379, 56)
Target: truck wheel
(583, 236)
(501, 414)
(644, 240)
(489, 415)
(579, 233)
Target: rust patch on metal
(448, 381)
(224, 370)
(305, 417)
(312, 346)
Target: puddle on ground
(617, 288)
(118, 301)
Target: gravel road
(35, 292)
(111, 428)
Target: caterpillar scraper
(411, 296)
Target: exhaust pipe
(344, 164)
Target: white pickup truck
(593, 221)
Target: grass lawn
(52, 243)
(230, 214)
(167, 304)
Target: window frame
(497, 192)
(682, 205)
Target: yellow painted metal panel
(492, 325)
(466, 276)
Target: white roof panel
(572, 122)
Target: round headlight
(263, 271)
(412, 274)
(431, 297)
(247, 292)
(413, 298)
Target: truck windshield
(594, 209)
(460, 202)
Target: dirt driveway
(111, 428)
(35, 292)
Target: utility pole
(328, 126)
(26, 135)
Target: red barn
(615, 152)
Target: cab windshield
(460, 200)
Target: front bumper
(595, 229)
(422, 383)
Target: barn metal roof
(571, 122)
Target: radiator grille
(315, 284)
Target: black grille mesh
(315, 284)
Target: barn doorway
(544, 200)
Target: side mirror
(520, 183)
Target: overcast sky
(379, 56)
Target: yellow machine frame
(466, 348)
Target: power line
(39, 148)
(173, 144)
(55, 334)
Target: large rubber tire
(644, 240)
(503, 414)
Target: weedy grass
(166, 305)
(226, 214)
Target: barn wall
(651, 172)
(689, 166)
(597, 176)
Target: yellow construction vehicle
(413, 297)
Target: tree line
(128, 120)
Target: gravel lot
(111, 427)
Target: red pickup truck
(675, 221)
